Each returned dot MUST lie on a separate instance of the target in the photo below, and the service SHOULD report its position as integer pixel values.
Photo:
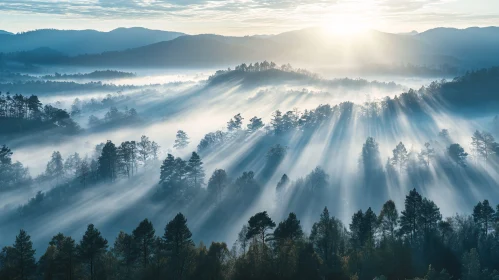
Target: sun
(345, 25)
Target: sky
(247, 17)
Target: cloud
(147, 8)
(270, 15)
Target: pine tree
(427, 154)
(276, 122)
(65, 255)
(5, 155)
(195, 171)
(71, 164)
(457, 155)
(289, 229)
(126, 252)
(400, 156)
(410, 216)
(471, 269)
(235, 123)
(181, 140)
(143, 235)
(167, 170)
(155, 150)
(371, 160)
(488, 146)
(91, 248)
(127, 153)
(255, 124)
(217, 183)
(144, 149)
(388, 219)
(23, 257)
(477, 145)
(429, 216)
(258, 225)
(55, 167)
(483, 215)
(108, 161)
(178, 244)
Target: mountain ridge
(466, 48)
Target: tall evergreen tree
(388, 219)
(108, 161)
(181, 140)
(483, 215)
(410, 216)
(471, 269)
(143, 236)
(289, 229)
(91, 248)
(400, 157)
(255, 124)
(125, 250)
(178, 244)
(427, 154)
(144, 149)
(167, 170)
(195, 171)
(5, 155)
(55, 167)
(476, 145)
(235, 123)
(66, 257)
(429, 216)
(371, 160)
(23, 257)
(217, 183)
(457, 154)
(258, 225)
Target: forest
(414, 243)
(393, 186)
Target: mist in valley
(93, 138)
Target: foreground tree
(143, 236)
(179, 245)
(258, 225)
(483, 215)
(289, 229)
(18, 261)
(409, 217)
(92, 248)
(125, 252)
(388, 219)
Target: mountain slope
(308, 46)
(74, 42)
(476, 46)
(462, 48)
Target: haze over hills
(73, 42)
(138, 47)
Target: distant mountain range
(74, 42)
(138, 47)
